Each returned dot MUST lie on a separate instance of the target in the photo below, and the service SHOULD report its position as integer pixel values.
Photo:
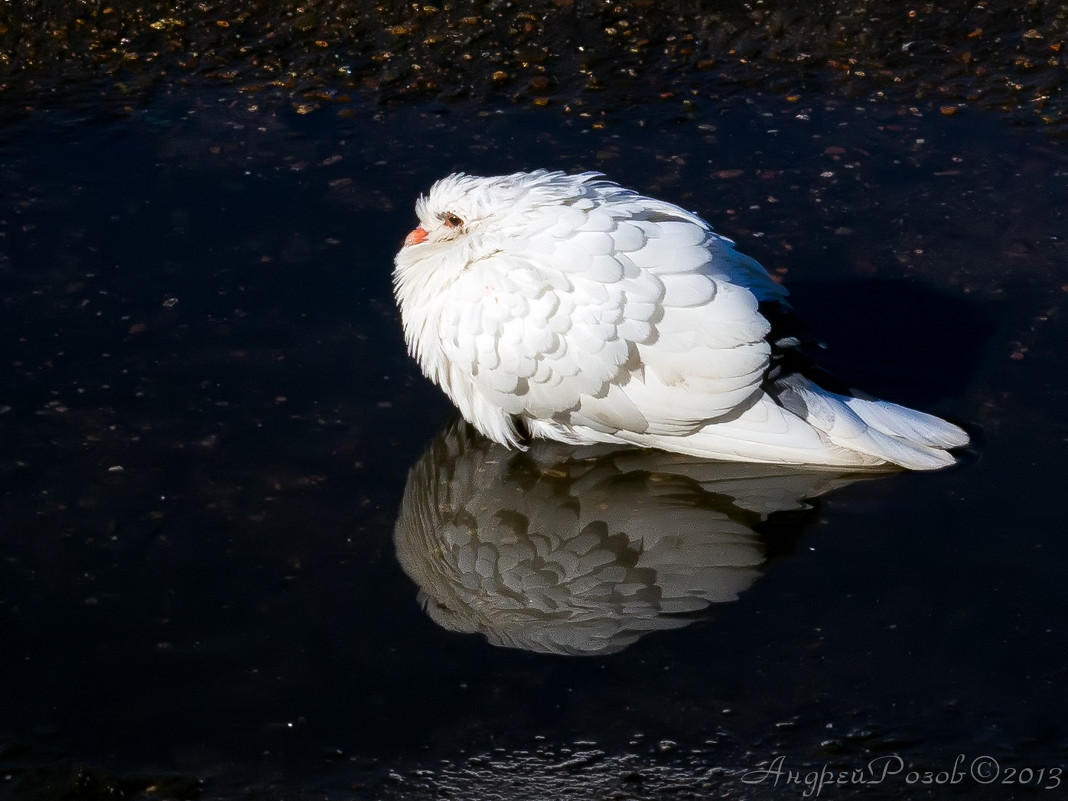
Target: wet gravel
(580, 56)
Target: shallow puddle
(232, 560)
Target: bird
(566, 307)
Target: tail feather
(885, 430)
(900, 421)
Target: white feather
(594, 314)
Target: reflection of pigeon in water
(582, 550)
(568, 308)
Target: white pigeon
(569, 308)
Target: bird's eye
(452, 221)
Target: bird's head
(469, 216)
(456, 208)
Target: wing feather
(612, 322)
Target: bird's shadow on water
(893, 338)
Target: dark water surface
(208, 422)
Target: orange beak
(415, 237)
